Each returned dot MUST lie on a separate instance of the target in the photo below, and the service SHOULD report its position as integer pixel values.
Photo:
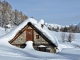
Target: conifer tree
(8, 16)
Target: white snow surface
(29, 45)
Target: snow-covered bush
(71, 37)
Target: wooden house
(32, 33)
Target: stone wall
(40, 40)
(21, 39)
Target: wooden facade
(31, 33)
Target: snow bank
(29, 45)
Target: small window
(37, 36)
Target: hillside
(75, 28)
(10, 16)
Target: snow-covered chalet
(31, 30)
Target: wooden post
(54, 49)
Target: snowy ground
(70, 51)
(7, 53)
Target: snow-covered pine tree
(8, 16)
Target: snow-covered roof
(7, 37)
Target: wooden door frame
(32, 34)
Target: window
(37, 36)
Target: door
(29, 35)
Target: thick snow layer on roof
(41, 21)
(45, 31)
